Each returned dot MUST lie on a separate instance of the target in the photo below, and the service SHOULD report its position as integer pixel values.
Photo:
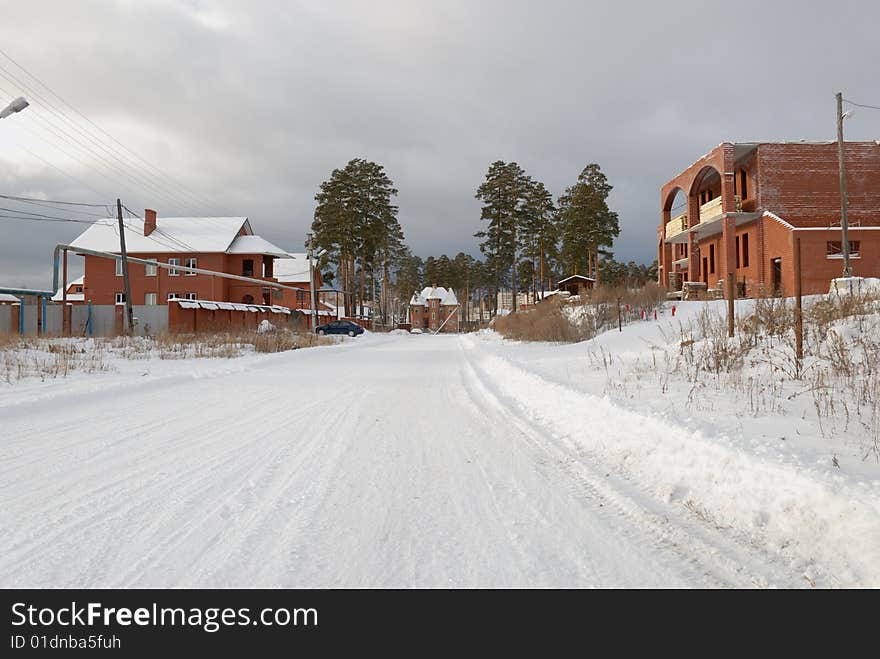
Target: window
(172, 271)
(834, 249)
(173, 296)
(79, 289)
(150, 269)
(120, 298)
(119, 267)
(743, 184)
(150, 299)
(712, 258)
(745, 249)
(247, 268)
(300, 296)
(737, 251)
(191, 296)
(190, 263)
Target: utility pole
(312, 296)
(844, 221)
(125, 280)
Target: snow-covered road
(383, 461)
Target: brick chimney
(149, 221)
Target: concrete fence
(176, 317)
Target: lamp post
(17, 105)
(841, 162)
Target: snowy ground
(425, 461)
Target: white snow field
(405, 461)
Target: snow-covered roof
(292, 268)
(172, 234)
(254, 245)
(449, 298)
(569, 278)
(6, 297)
(213, 305)
(445, 295)
(71, 297)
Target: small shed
(576, 284)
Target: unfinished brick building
(745, 203)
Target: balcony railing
(676, 225)
(710, 210)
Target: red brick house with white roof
(222, 244)
(435, 308)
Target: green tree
(538, 237)
(356, 222)
(503, 195)
(586, 222)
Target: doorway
(776, 268)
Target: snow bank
(854, 285)
(803, 512)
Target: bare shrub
(546, 322)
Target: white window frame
(119, 271)
(173, 296)
(172, 271)
(190, 296)
(150, 299)
(191, 262)
(120, 298)
(151, 268)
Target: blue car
(340, 327)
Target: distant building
(746, 203)
(434, 308)
(576, 284)
(75, 294)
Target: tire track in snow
(715, 561)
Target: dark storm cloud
(251, 105)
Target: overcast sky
(250, 105)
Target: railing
(710, 210)
(676, 226)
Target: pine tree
(503, 194)
(586, 222)
(356, 222)
(538, 236)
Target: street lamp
(17, 105)
(841, 161)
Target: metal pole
(43, 314)
(798, 305)
(89, 320)
(125, 280)
(64, 328)
(844, 220)
(21, 316)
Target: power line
(161, 174)
(158, 229)
(51, 201)
(862, 105)
(44, 219)
(40, 100)
(139, 180)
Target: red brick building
(433, 307)
(221, 244)
(746, 202)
